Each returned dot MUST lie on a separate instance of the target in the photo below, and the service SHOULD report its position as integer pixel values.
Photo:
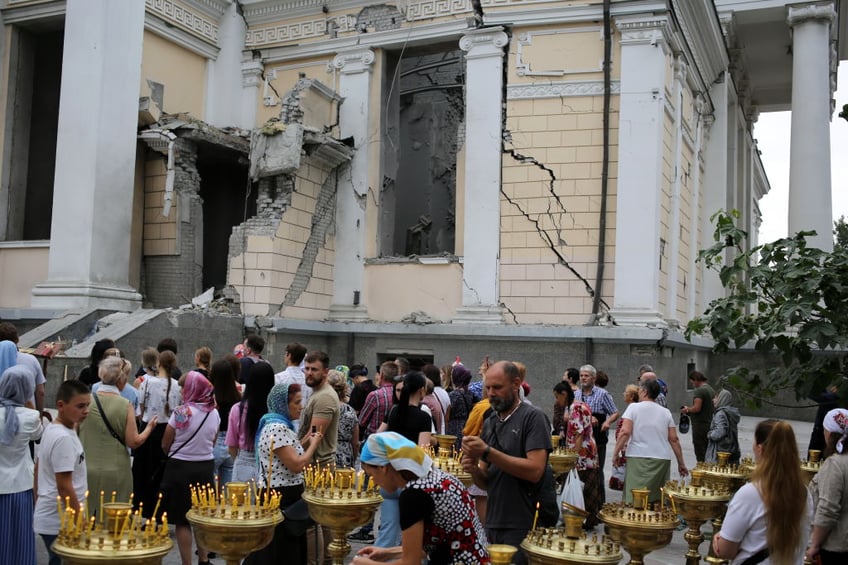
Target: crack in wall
(511, 313)
(472, 289)
(322, 221)
(556, 218)
(546, 237)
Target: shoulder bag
(106, 420)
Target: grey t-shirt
(512, 501)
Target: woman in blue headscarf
(437, 514)
(20, 425)
(8, 355)
(290, 457)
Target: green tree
(783, 297)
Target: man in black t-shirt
(509, 458)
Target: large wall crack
(546, 237)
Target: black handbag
(683, 426)
(297, 519)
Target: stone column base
(480, 314)
(82, 295)
(638, 317)
(348, 313)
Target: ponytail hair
(781, 485)
(413, 381)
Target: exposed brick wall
(173, 270)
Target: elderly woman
(437, 516)
(651, 439)
(724, 429)
(768, 519)
(20, 425)
(277, 443)
(108, 431)
(347, 450)
(189, 441)
(830, 490)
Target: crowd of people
(148, 435)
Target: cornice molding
(157, 25)
(251, 73)
(186, 18)
(703, 39)
(257, 12)
(13, 13)
(298, 31)
(559, 89)
(212, 8)
(647, 29)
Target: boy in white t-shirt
(60, 466)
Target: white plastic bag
(572, 493)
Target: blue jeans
(223, 461)
(388, 534)
(48, 541)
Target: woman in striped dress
(20, 425)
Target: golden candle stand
(562, 459)
(446, 442)
(637, 528)
(340, 500)
(450, 462)
(696, 504)
(117, 535)
(812, 465)
(501, 553)
(564, 546)
(722, 476)
(234, 523)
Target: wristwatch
(485, 456)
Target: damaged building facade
(425, 177)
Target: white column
(95, 158)
(695, 211)
(251, 82)
(676, 186)
(809, 157)
(483, 99)
(223, 94)
(644, 52)
(354, 117)
(716, 181)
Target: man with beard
(509, 458)
(322, 410)
(321, 414)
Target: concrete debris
(204, 298)
(420, 318)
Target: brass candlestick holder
(501, 553)
(696, 504)
(234, 523)
(637, 528)
(450, 461)
(559, 546)
(115, 535)
(723, 476)
(812, 465)
(562, 459)
(340, 500)
(446, 442)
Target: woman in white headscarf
(437, 515)
(18, 426)
(830, 490)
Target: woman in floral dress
(347, 451)
(577, 425)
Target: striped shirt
(599, 401)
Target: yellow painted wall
(160, 232)
(393, 291)
(565, 135)
(22, 266)
(182, 72)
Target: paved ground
(673, 554)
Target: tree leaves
(782, 297)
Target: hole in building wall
(228, 198)
(425, 126)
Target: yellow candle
(125, 524)
(100, 511)
(90, 526)
(79, 519)
(156, 508)
(114, 494)
(535, 516)
(370, 484)
(165, 524)
(85, 505)
(67, 502)
(59, 505)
